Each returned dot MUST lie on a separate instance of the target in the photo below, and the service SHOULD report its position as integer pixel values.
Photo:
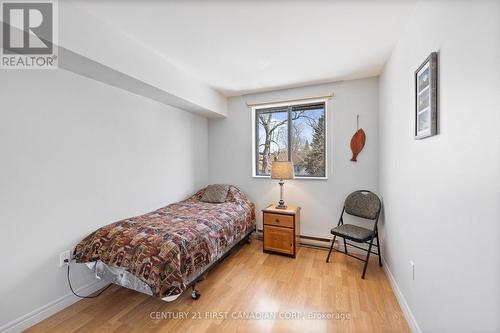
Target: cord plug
(64, 258)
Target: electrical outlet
(412, 266)
(65, 255)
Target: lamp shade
(282, 170)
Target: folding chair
(367, 205)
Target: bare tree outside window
(295, 133)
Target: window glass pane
(272, 139)
(301, 128)
(308, 140)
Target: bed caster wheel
(249, 240)
(195, 294)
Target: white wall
(230, 153)
(442, 194)
(141, 69)
(76, 154)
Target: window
(294, 133)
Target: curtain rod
(291, 100)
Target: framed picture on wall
(426, 98)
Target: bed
(164, 252)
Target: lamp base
(281, 205)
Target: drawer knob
(277, 221)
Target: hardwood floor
(250, 282)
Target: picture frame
(426, 100)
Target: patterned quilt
(167, 247)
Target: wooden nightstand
(281, 230)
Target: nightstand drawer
(278, 220)
(278, 239)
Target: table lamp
(281, 170)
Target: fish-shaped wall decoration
(357, 142)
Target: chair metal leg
(367, 258)
(345, 246)
(331, 248)
(379, 252)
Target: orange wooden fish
(357, 143)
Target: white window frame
(298, 102)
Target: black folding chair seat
(353, 232)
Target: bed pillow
(216, 193)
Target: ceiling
(240, 47)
